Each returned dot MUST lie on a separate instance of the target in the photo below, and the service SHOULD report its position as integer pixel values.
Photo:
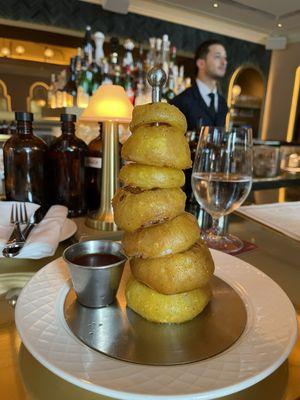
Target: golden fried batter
(158, 145)
(171, 237)
(176, 273)
(158, 113)
(135, 210)
(157, 307)
(150, 177)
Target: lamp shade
(108, 103)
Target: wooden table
(24, 378)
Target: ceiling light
(215, 5)
(20, 50)
(49, 53)
(41, 102)
(279, 25)
(5, 51)
(236, 91)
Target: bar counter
(24, 378)
(285, 179)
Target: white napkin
(43, 239)
(283, 217)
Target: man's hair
(203, 50)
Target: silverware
(13, 248)
(16, 221)
(35, 219)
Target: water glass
(222, 179)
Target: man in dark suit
(201, 103)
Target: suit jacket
(192, 105)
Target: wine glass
(222, 178)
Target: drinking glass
(222, 178)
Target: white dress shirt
(205, 91)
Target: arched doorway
(37, 98)
(245, 98)
(5, 100)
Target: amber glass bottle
(94, 171)
(65, 168)
(24, 163)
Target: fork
(16, 235)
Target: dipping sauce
(96, 260)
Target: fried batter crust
(135, 210)
(176, 273)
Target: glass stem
(215, 226)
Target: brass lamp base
(103, 218)
(93, 222)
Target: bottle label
(93, 162)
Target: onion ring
(135, 210)
(161, 308)
(176, 273)
(151, 177)
(160, 146)
(173, 236)
(158, 113)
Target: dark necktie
(212, 104)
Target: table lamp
(111, 106)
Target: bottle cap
(23, 116)
(68, 117)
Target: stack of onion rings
(171, 266)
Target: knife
(11, 250)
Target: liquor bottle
(165, 53)
(106, 79)
(117, 77)
(158, 52)
(140, 72)
(173, 57)
(128, 57)
(96, 77)
(66, 168)
(114, 57)
(128, 85)
(170, 92)
(114, 45)
(93, 164)
(78, 65)
(180, 80)
(24, 163)
(88, 45)
(83, 86)
(150, 61)
(99, 53)
(51, 95)
(71, 87)
(174, 67)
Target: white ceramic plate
(68, 229)
(266, 342)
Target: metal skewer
(157, 78)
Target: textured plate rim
(121, 394)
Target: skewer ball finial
(157, 79)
